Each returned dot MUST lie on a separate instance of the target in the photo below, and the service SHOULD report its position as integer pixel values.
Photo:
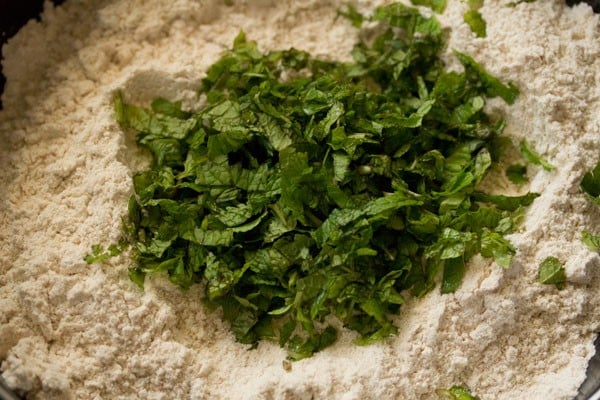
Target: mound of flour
(73, 331)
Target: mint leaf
(552, 272)
(475, 4)
(590, 184)
(509, 203)
(475, 20)
(454, 271)
(517, 173)
(591, 241)
(98, 253)
(515, 3)
(456, 393)
(493, 86)
(533, 157)
(352, 15)
(436, 5)
(153, 125)
(493, 245)
(172, 109)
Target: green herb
(474, 19)
(591, 241)
(517, 173)
(99, 254)
(475, 4)
(533, 157)
(590, 184)
(493, 245)
(436, 5)
(309, 188)
(352, 15)
(456, 393)
(493, 87)
(506, 202)
(552, 272)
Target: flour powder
(69, 330)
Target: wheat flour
(73, 331)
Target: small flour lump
(69, 330)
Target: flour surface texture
(69, 330)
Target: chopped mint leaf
(509, 203)
(591, 241)
(515, 3)
(98, 253)
(436, 5)
(475, 20)
(494, 245)
(552, 272)
(475, 4)
(352, 15)
(493, 86)
(533, 157)
(454, 271)
(456, 393)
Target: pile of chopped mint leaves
(307, 189)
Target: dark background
(13, 15)
(594, 3)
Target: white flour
(73, 331)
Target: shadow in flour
(591, 386)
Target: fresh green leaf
(552, 272)
(475, 4)
(98, 253)
(454, 271)
(515, 3)
(509, 203)
(436, 5)
(493, 245)
(456, 393)
(299, 349)
(213, 237)
(475, 20)
(408, 19)
(137, 276)
(171, 109)
(154, 124)
(591, 241)
(590, 184)
(493, 86)
(352, 15)
(533, 157)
